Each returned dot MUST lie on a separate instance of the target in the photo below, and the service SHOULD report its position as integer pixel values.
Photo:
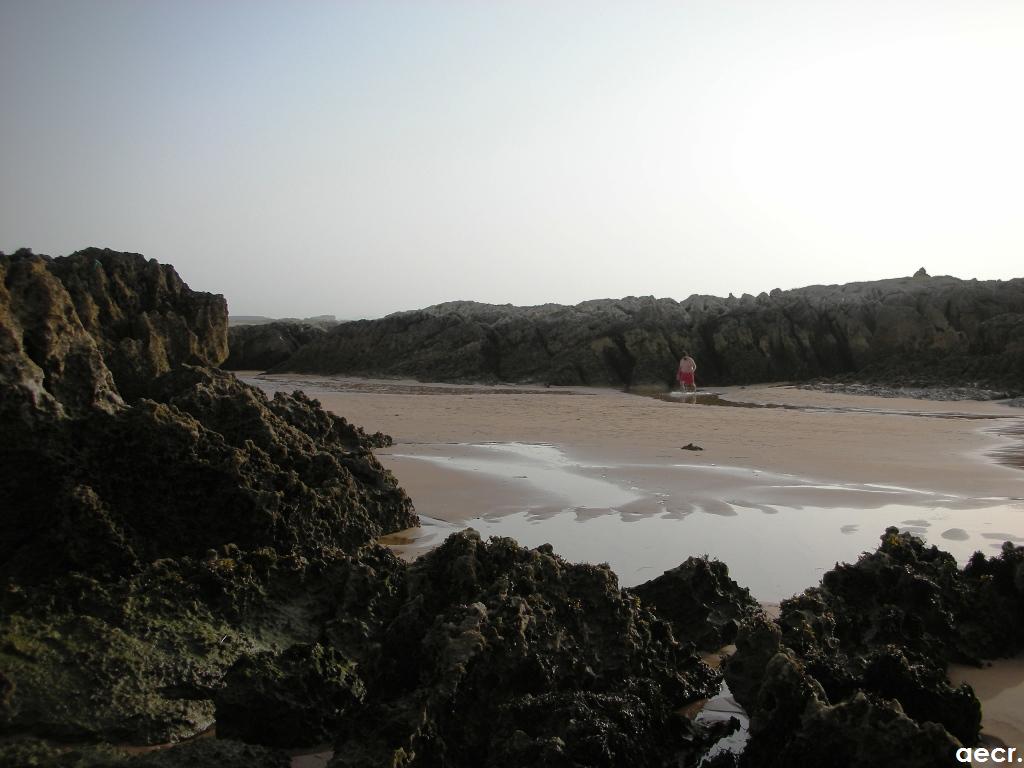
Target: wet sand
(778, 493)
(1000, 688)
(839, 438)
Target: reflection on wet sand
(778, 533)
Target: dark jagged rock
(914, 596)
(101, 485)
(259, 347)
(758, 640)
(861, 659)
(146, 655)
(214, 444)
(700, 601)
(201, 753)
(909, 331)
(143, 317)
(503, 656)
(795, 725)
(147, 543)
(51, 366)
(293, 699)
(600, 343)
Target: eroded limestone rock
(905, 331)
(855, 669)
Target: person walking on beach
(685, 374)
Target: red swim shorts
(686, 378)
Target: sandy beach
(787, 483)
(779, 493)
(939, 446)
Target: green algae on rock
(157, 518)
(294, 698)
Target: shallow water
(778, 533)
(548, 472)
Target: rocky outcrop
(215, 455)
(260, 347)
(295, 698)
(51, 366)
(176, 549)
(700, 601)
(854, 670)
(148, 542)
(503, 656)
(143, 317)
(910, 331)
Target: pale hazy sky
(359, 158)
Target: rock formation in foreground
(177, 549)
(854, 671)
(151, 508)
(920, 330)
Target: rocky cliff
(918, 329)
(261, 347)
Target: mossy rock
(200, 753)
(293, 699)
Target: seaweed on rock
(504, 656)
(856, 668)
(700, 601)
(158, 517)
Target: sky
(359, 158)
